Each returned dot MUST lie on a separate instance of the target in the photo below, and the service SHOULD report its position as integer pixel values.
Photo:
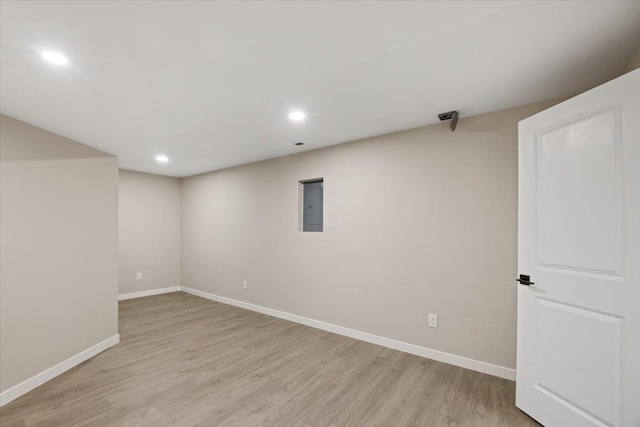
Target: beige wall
(635, 62)
(149, 217)
(416, 222)
(58, 249)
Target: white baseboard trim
(148, 293)
(41, 378)
(440, 356)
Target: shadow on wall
(58, 251)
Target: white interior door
(579, 241)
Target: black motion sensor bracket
(451, 115)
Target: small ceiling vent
(298, 143)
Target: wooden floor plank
(187, 361)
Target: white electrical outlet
(433, 320)
(139, 276)
(244, 284)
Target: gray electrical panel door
(312, 209)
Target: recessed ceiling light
(162, 158)
(297, 116)
(55, 57)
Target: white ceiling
(211, 84)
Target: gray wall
(634, 63)
(58, 249)
(416, 222)
(149, 217)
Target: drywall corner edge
(440, 356)
(37, 380)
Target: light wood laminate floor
(187, 361)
